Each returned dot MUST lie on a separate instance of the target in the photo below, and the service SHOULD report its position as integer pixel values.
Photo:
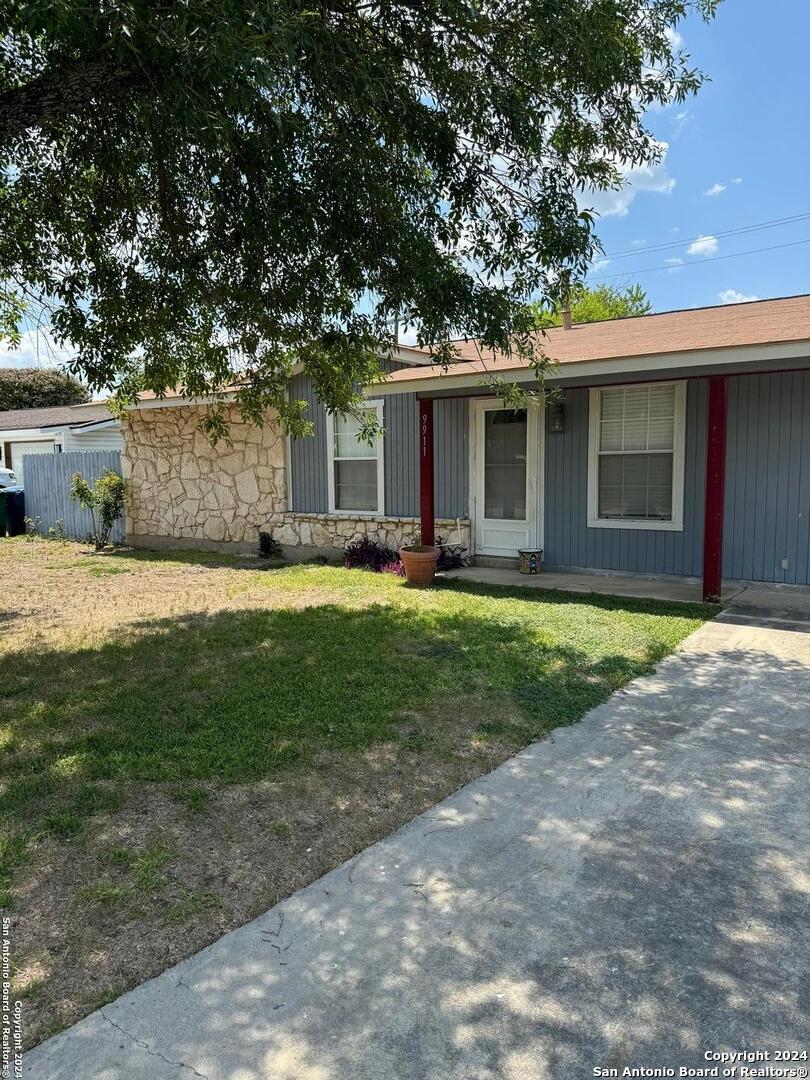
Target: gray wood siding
(308, 458)
(767, 507)
(451, 448)
(569, 541)
(401, 422)
(307, 482)
(451, 456)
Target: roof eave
(621, 366)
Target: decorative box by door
(531, 562)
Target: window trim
(377, 405)
(678, 462)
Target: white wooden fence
(47, 487)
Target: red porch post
(715, 489)
(426, 496)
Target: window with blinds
(355, 467)
(636, 453)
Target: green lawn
(147, 715)
(235, 695)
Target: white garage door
(19, 449)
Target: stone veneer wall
(183, 492)
(180, 486)
(336, 531)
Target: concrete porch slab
(684, 590)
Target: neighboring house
(54, 429)
(658, 425)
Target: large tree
(213, 186)
(34, 388)
(594, 304)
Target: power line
(701, 262)
(774, 223)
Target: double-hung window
(355, 466)
(636, 456)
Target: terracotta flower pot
(419, 562)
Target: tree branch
(57, 94)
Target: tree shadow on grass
(633, 894)
(234, 695)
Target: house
(673, 444)
(56, 429)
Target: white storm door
(506, 476)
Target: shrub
(32, 525)
(57, 531)
(105, 501)
(269, 547)
(451, 556)
(367, 554)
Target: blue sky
(746, 132)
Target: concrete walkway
(633, 891)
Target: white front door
(506, 481)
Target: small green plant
(192, 902)
(147, 867)
(63, 824)
(104, 500)
(104, 570)
(103, 892)
(57, 531)
(32, 525)
(120, 856)
(193, 797)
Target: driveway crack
(153, 1053)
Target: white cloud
(675, 39)
(732, 296)
(600, 264)
(736, 179)
(674, 264)
(680, 120)
(715, 189)
(37, 349)
(636, 178)
(704, 245)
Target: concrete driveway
(633, 891)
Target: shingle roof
(16, 419)
(759, 322)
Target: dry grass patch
(185, 740)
